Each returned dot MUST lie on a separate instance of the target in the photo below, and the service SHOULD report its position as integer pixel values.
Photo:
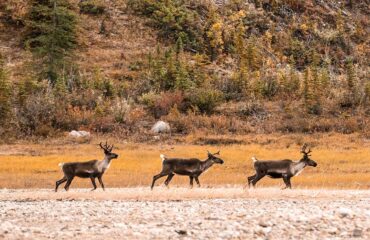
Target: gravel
(287, 217)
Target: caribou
(90, 169)
(285, 169)
(192, 167)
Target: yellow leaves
(238, 16)
(304, 27)
(215, 34)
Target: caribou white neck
(297, 168)
(104, 164)
(206, 164)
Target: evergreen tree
(179, 46)
(351, 80)
(5, 94)
(311, 91)
(241, 75)
(51, 35)
(307, 92)
(367, 93)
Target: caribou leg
(64, 179)
(93, 183)
(287, 182)
(257, 178)
(169, 178)
(101, 182)
(191, 181)
(250, 178)
(197, 180)
(158, 176)
(69, 181)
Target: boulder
(79, 134)
(161, 127)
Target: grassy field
(343, 161)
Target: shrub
(204, 99)
(93, 7)
(175, 20)
(37, 111)
(160, 105)
(103, 124)
(121, 109)
(251, 108)
(14, 11)
(178, 121)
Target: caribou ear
(217, 153)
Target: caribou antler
(106, 147)
(217, 153)
(304, 147)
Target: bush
(121, 109)
(14, 11)
(175, 20)
(178, 121)
(160, 105)
(93, 7)
(252, 108)
(205, 100)
(37, 112)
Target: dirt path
(207, 213)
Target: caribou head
(108, 151)
(212, 156)
(306, 156)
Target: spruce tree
(241, 75)
(51, 35)
(307, 91)
(351, 80)
(5, 94)
(367, 93)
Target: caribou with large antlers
(192, 167)
(90, 169)
(285, 169)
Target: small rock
(344, 212)
(157, 137)
(262, 231)
(181, 232)
(332, 230)
(357, 233)
(264, 223)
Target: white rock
(344, 212)
(79, 134)
(161, 127)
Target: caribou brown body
(285, 169)
(91, 169)
(192, 167)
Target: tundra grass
(343, 162)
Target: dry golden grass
(343, 162)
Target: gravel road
(181, 213)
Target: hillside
(217, 67)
